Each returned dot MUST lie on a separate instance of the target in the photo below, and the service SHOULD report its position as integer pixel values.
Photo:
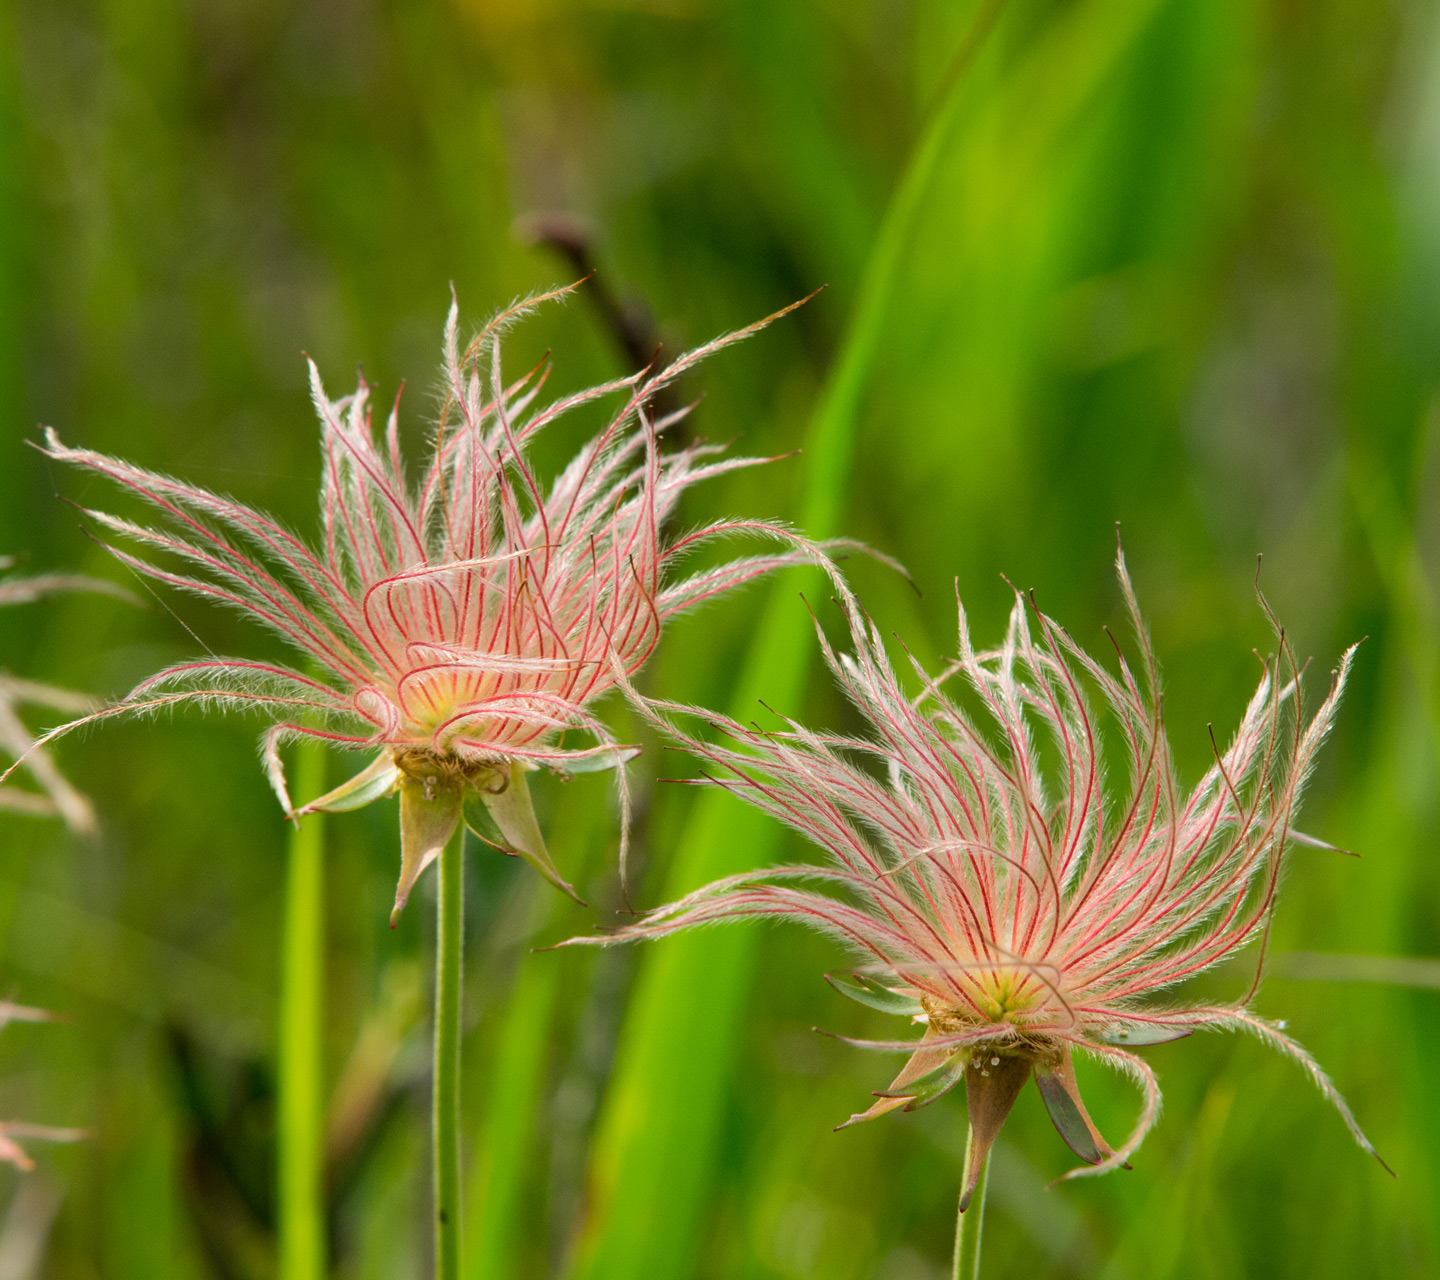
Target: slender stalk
(301, 1066)
(970, 1225)
(445, 1086)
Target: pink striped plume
(460, 626)
(998, 892)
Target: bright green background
(1174, 263)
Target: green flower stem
(300, 1146)
(445, 1086)
(970, 1225)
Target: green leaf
(870, 993)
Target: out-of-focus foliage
(1178, 265)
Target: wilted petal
(1067, 1111)
(920, 1063)
(514, 814)
(935, 1084)
(992, 1084)
(377, 779)
(427, 821)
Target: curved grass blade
(655, 1146)
(657, 1140)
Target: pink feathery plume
(457, 624)
(997, 891)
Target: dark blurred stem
(302, 978)
(630, 325)
(635, 339)
(445, 1118)
(970, 1224)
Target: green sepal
(1133, 1033)
(376, 779)
(513, 814)
(1065, 1114)
(870, 993)
(934, 1084)
(428, 818)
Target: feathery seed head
(457, 625)
(999, 892)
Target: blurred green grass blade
(656, 1145)
(830, 441)
(299, 1146)
(1390, 535)
(497, 1213)
(1154, 1246)
(14, 245)
(496, 1203)
(145, 1231)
